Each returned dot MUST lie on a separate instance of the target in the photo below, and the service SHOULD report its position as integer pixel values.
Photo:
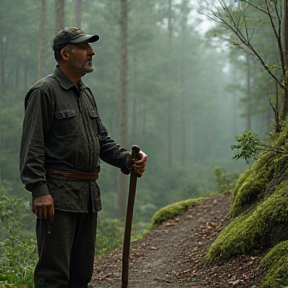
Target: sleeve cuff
(126, 170)
(40, 190)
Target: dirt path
(171, 255)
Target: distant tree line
(159, 82)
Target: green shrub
(17, 263)
(225, 180)
(251, 147)
(18, 257)
(109, 236)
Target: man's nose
(91, 51)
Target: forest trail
(171, 254)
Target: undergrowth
(18, 257)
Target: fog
(184, 100)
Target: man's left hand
(140, 165)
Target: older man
(62, 142)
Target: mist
(184, 105)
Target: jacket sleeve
(37, 120)
(110, 151)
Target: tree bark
(134, 118)
(59, 15)
(2, 77)
(185, 11)
(285, 33)
(41, 39)
(285, 37)
(249, 94)
(122, 102)
(169, 77)
(78, 13)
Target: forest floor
(171, 254)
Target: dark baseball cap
(72, 35)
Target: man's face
(80, 57)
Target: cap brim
(85, 38)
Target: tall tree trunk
(59, 15)
(2, 82)
(78, 13)
(285, 37)
(184, 12)
(2, 85)
(169, 114)
(122, 98)
(41, 39)
(249, 96)
(134, 118)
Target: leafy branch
(251, 146)
(225, 15)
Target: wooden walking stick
(129, 216)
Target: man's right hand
(43, 207)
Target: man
(63, 139)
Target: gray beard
(86, 68)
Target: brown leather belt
(72, 175)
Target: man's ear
(64, 54)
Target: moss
(256, 229)
(260, 205)
(259, 182)
(275, 265)
(252, 185)
(282, 139)
(173, 210)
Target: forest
(179, 78)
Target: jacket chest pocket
(66, 121)
(94, 120)
(98, 122)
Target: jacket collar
(64, 81)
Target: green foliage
(11, 209)
(18, 257)
(225, 180)
(173, 210)
(109, 236)
(275, 265)
(250, 145)
(17, 263)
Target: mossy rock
(257, 229)
(275, 265)
(283, 137)
(173, 210)
(259, 214)
(259, 182)
(251, 187)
